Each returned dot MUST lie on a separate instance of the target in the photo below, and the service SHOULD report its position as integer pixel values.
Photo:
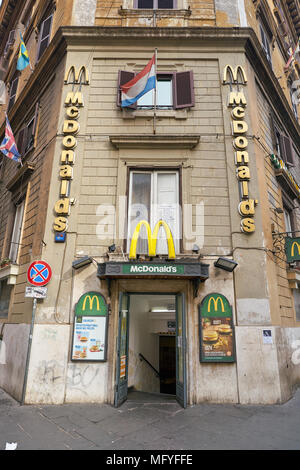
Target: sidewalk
(147, 422)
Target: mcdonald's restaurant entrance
(151, 351)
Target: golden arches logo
(215, 301)
(91, 302)
(80, 77)
(293, 248)
(152, 239)
(233, 74)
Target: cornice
(227, 40)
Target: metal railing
(142, 358)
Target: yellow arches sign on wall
(152, 238)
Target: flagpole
(155, 93)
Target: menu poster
(90, 328)
(217, 340)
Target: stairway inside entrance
(144, 397)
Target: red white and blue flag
(139, 85)
(8, 146)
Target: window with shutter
(17, 230)
(123, 77)
(174, 91)
(286, 149)
(26, 136)
(44, 37)
(10, 41)
(265, 43)
(184, 90)
(21, 138)
(13, 92)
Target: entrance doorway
(151, 346)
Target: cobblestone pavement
(149, 422)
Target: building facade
(170, 226)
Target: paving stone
(150, 424)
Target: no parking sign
(39, 273)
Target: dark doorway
(167, 364)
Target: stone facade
(197, 143)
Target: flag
(292, 56)
(139, 85)
(8, 146)
(23, 58)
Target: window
(283, 145)
(5, 293)
(174, 90)
(10, 42)
(44, 37)
(294, 99)
(26, 136)
(265, 43)
(13, 92)
(16, 234)
(155, 4)
(164, 95)
(154, 196)
(288, 221)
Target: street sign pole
(29, 350)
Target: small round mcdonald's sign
(91, 304)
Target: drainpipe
(28, 350)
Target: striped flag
(139, 85)
(8, 146)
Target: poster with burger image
(216, 329)
(90, 328)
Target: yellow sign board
(152, 239)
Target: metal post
(29, 350)
(155, 94)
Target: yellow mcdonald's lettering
(293, 248)
(91, 301)
(152, 239)
(72, 76)
(232, 74)
(215, 301)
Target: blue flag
(23, 59)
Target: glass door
(181, 386)
(122, 351)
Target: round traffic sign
(39, 273)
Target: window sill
(10, 272)
(155, 141)
(160, 113)
(159, 13)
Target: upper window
(44, 37)
(27, 135)
(164, 95)
(283, 145)
(16, 234)
(174, 91)
(294, 99)
(154, 196)
(13, 91)
(155, 4)
(265, 43)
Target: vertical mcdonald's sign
(292, 249)
(216, 329)
(90, 328)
